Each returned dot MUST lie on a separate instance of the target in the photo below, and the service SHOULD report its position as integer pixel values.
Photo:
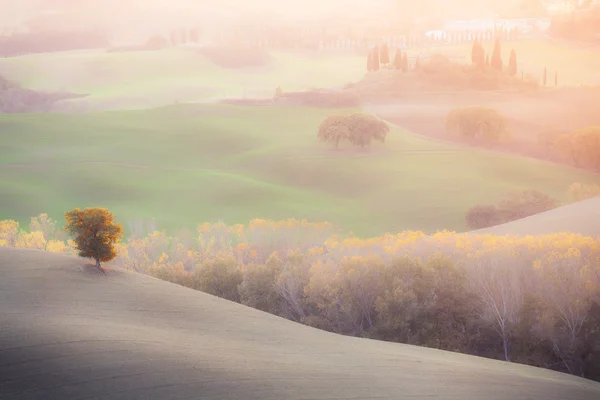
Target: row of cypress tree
(378, 57)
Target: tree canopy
(94, 233)
(358, 128)
(478, 122)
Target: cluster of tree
(531, 300)
(580, 148)
(483, 62)
(358, 128)
(478, 123)
(15, 99)
(377, 57)
(45, 42)
(516, 205)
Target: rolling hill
(67, 332)
(190, 164)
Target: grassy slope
(151, 79)
(68, 332)
(193, 163)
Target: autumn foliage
(532, 300)
(95, 233)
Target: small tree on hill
(512, 63)
(497, 56)
(385, 55)
(478, 122)
(364, 128)
(556, 78)
(94, 232)
(370, 61)
(359, 129)
(398, 60)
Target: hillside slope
(67, 332)
(189, 163)
(582, 217)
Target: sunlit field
(154, 78)
(189, 164)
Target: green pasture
(188, 164)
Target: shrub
(482, 216)
(481, 123)
(157, 42)
(220, 277)
(580, 191)
(514, 206)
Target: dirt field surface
(69, 332)
(581, 217)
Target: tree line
(377, 57)
(580, 148)
(531, 300)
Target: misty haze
(277, 199)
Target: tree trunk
(99, 267)
(505, 344)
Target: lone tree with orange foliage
(94, 232)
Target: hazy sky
(104, 10)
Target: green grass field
(153, 79)
(156, 78)
(188, 164)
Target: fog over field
(299, 200)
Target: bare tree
(496, 278)
(290, 286)
(567, 287)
